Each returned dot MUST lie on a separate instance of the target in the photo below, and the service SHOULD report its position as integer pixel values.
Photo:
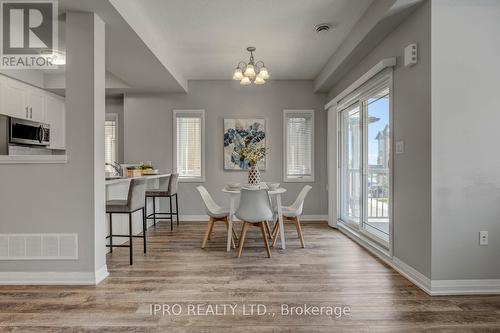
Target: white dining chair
(292, 213)
(216, 213)
(254, 209)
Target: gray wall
(412, 123)
(62, 198)
(114, 104)
(148, 133)
(465, 137)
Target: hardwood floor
(331, 271)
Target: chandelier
(255, 72)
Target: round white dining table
(234, 194)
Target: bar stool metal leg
(177, 208)
(110, 232)
(171, 215)
(146, 205)
(130, 236)
(154, 211)
(144, 227)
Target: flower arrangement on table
(253, 154)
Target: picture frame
(238, 133)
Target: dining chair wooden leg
(268, 230)
(244, 230)
(276, 234)
(275, 228)
(211, 228)
(299, 232)
(235, 236)
(207, 233)
(264, 238)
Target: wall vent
(38, 246)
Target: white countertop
(127, 179)
(33, 159)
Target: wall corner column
(85, 105)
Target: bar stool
(133, 203)
(170, 192)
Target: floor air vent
(38, 246)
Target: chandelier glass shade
(252, 72)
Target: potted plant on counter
(147, 169)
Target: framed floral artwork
(241, 135)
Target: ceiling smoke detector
(322, 28)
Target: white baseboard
(204, 218)
(422, 281)
(53, 278)
(465, 287)
(431, 287)
(101, 274)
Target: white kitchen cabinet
(14, 97)
(21, 100)
(36, 105)
(55, 116)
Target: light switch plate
(400, 147)
(483, 238)
(411, 55)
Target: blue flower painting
(240, 134)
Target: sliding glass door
(365, 161)
(377, 164)
(351, 165)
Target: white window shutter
(188, 144)
(299, 145)
(110, 140)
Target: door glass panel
(351, 165)
(377, 164)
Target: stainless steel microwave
(28, 132)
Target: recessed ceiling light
(322, 28)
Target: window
(110, 140)
(299, 145)
(189, 144)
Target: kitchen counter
(127, 179)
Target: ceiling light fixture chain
(251, 72)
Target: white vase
(254, 175)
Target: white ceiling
(127, 56)
(205, 39)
